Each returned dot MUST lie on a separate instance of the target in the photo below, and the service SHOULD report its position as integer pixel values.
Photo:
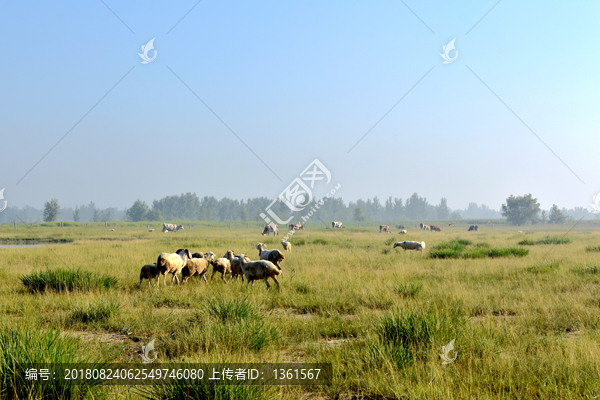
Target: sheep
(275, 256)
(209, 255)
(172, 263)
(150, 230)
(221, 265)
(195, 266)
(234, 261)
(198, 255)
(399, 226)
(287, 246)
(403, 231)
(259, 270)
(149, 271)
(408, 245)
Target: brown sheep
(149, 271)
(259, 270)
(193, 267)
(221, 265)
(172, 263)
(234, 261)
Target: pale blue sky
(298, 81)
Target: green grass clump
(230, 310)
(586, 269)
(546, 240)
(302, 288)
(408, 289)
(460, 248)
(320, 241)
(390, 241)
(60, 280)
(299, 242)
(592, 248)
(98, 312)
(544, 267)
(20, 348)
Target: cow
(171, 228)
(474, 228)
(399, 226)
(424, 227)
(384, 228)
(336, 224)
(271, 228)
(296, 227)
(409, 245)
(436, 228)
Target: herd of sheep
(197, 264)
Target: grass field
(525, 322)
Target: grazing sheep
(275, 256)
(287, 246)
(111, 230)
(399, 226)
(408, 245)
(519, 231)
(403, 231)
(259, 270)
(221, 265)
(234, 261)
(150, 230)
(210, 256)
(149, 271)
(195, 266)
(197, 255)
(172, 263)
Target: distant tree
(96, 217)
(455, 215)
(105, 215)
(138, 211)
(416, 207)
(544, 216)
(154, 215)
(51, 210)
(442, 210)
(521, 210)
(556, 215)
(76, 214)
(358, 214)
(244, 216)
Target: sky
(243, 96)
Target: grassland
(526, 325)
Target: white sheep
(287, 246)
(234, 261)
(403, 231)
(409, 245)
(274, 256)
(172, 263)
(262, 269)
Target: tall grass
(94, 312)
(592, 248)
(546, 240)
(206, 390)
(461, 248)
(23, 347)
(60, 280)
(408, 289)
(230, 310)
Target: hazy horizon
(242, 97)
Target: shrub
(60, 280)
(390, 241)
(460, 248)
(546, 240)
(586, 269)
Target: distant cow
(425, 227)
(436, 228)
(296, 227)
(407, 245)
(271, 228)
(384, 228)
(336, 224)
(171, 227)
(473, 228)
(399, 226)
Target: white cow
(171, 227)
(271, 228)
(336, 224)
(409, 245)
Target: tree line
(519, 210)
